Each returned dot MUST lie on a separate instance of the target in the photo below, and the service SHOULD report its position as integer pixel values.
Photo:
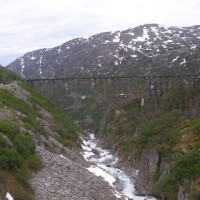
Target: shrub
(3, 161)
(24, 144)
(2, 176)
(8, 129)
(40, 130)
(196, 127)
(170, 186)
(66, 142)
(187, 166)
(7, 76)
(34, 162)
(158, 125)
(2, 141)
(10, 158)
(24, 175)
(30, 121)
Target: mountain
(160, 136)
(143, 50)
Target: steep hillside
(26, 119)
(162, 139)
(36, 160)
(143, 50)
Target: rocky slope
(39, 154)
(143, 50)
(61, 178)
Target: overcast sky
(27, 25)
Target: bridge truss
(112, 90)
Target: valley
(147, 129)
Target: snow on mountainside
(144, 50)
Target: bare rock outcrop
(182, 195)
(148, 166)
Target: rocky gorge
(160, 137)
(62, 172)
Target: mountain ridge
(143, 50)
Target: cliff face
(148, 166)
(143, 50)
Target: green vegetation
(16, 156)
(185, 172)
(160, 133)
(168, 124)
(65, 129)
(2, 176)
(26, 114)
(7, 76)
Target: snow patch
(164, 46)
(134, 56)
(83, 97)
(33, 58)
(129, 33)
(59, 50)
(142, 38)
(117, 37)
(139, 39)
(120, 59)
(184, 61)
(40, 62)
(175, 59)
(145, 33)
(9, 197)
(168, 41)
(100, 172)
(23, 66)
(193, 47)
(124, 47)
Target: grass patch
(21, 156)
(9, 129)
(185, 171)
(7, 76)
(61, 125)
(17, 189)
(2, 176)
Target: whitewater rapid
(103, 163)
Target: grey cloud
(28, 25)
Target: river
(104, 164)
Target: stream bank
(105, 164)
